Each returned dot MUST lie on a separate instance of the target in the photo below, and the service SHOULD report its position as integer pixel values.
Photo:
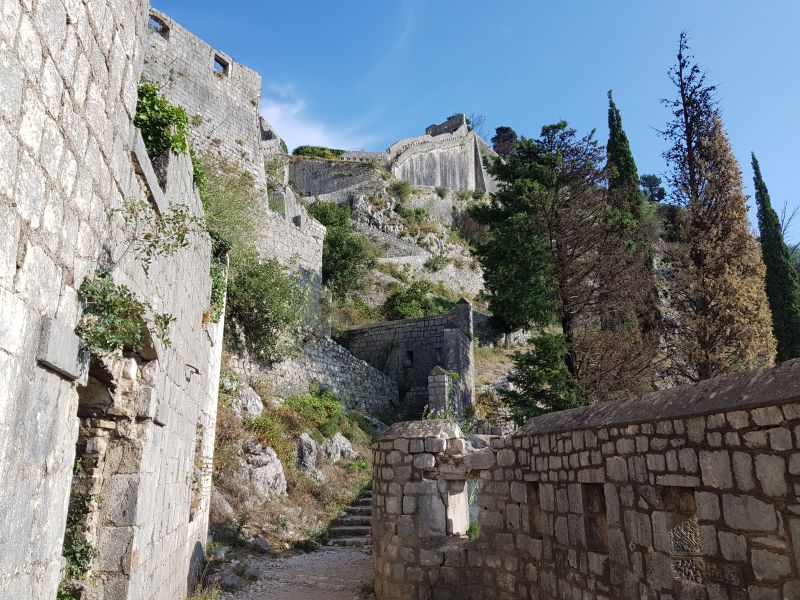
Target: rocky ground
(330, 573)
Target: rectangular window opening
(158, 26)
(594, 517)
(221, 66)
(537, 520)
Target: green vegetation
(151, 234)
(114, 318)
(441, 191)
(415, 220)
(220, 247)
(346, 257)
(782, 279)
(415, 300)
(318, 152)
(164, 126)
(463, 195)
(437, 262)
(504, 140)
(349, 313)
(206, 593)
(284, 147)
(478, 194)
(474, 530)
(392, 270)
(400, 190)
(275, 167)
(268, 305)
(77, 551)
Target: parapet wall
(693, 492)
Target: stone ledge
(421, 429)
(144, 167)
(766, 386)
(60, 350)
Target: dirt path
(329, 574)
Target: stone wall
(222, 104)
(328, 364)
(69, 158)
(692, 492)
(409, 349)
(315, 177)
(451, 124)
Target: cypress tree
(783, 282)
(622, 167)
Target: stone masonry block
(60, 350)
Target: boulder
(247, 402)
(221, 510)
(261, 545)
(226, 580)
(338, 448)
(264, 470)
(307, 451)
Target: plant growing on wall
(318, 152)
(114, 318)
(151, 234)
(164, 126)
(401, 190)
(78, 552)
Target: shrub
(78, 552)
(114, 318)
(284, 148)
(163, 125)
(392, 270)
(478, 194)
(268, 305)
(415, 301)
(320, 409)
(437, 262)
(274, 167)
(346, 257)
(318, 152)
(271, 430)
(474, 530)
(441, 191)
(463, 195)
(401, 190)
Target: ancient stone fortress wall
(220, 96)
(315, 177)
(143, 426)
(331, 366)
(692, 492)
(451, 157)
(451, 124)
(409, 349)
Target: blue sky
(360, 75)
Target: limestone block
(748, 513)
(435, 445)
(769, 566)
(60, 350)
(432, 516)
(481, 459)
(716, 469)
(771, 473)
(424, 461)
(732, 546)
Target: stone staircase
(353, 528)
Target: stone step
(363, 502)
(351, 542)
(360, 510)
(353, 520)
(350, 531)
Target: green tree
(652, 189)
(504, 140)
(346, 257)
(718, 293)
(783, 282)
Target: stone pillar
(438, 390)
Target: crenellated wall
(692, 492)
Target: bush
(415, 301)
(401, 190)
(268, 305)
(114, 318)
(478, 194)
(346, 257)
(437, 262)
(320, 409)
(441, 191)
(163, 125)
(271, 430)
(463, 195)
(318, 152)
(415, 220)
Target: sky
(359, 75)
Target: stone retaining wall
(693, 492)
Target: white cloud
(288, 113)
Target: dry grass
(492, 364)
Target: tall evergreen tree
(626, 196)
(783, 281)
(723, 316)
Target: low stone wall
(315, 177)
(691, 492)
(328, 364)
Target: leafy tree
(541, 373)
(782, 279)
(346, 257)
(555, 256)
(413, 301)
(723, 319)
(504, 140)
(651, 188)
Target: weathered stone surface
(264, 470)
(338, 448)
(307, 451)
(247, 403)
